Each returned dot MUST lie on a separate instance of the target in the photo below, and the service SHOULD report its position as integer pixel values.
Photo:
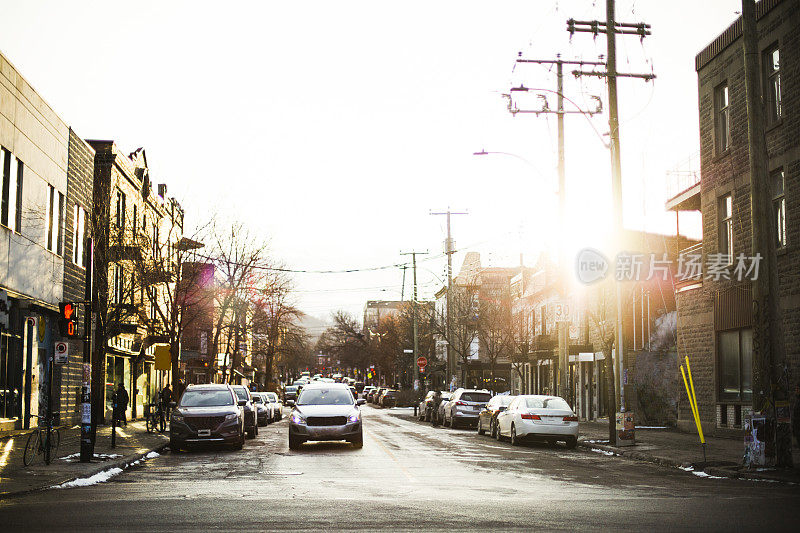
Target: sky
(334, 128)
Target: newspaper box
(625, 429)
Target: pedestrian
(437, 399)
(796, 415)
(121, 400)
(166, 397)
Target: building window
(779, 207)
(117, 291)
(60, 225)
(134, 221)
(6, 165)
(18, 197)
(722, 117)
(51, 215)
(543, 312)
(78, 234)
(120, 218)
(726, 226)
(772, 84)
(735, 364)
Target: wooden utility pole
(415, 312)
(770, 386)
(611, 28)
(563, 327)
(449, 250)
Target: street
(408, 475)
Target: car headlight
(354, 417)
(177, 417)
(297, 418)
(232, 416)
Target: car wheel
(481, 431)
(294, 442)
(493, 428)
(358, 442)
(514, 438)
(497, 434)
(174, 446)
(251, 433)
(240, 443)
(572, 442)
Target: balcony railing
(681, 181)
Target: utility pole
(449, 250)
(88, 429)
(563, 327)
(415, 312)
(769, 386)
(611, 28)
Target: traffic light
(68, 319)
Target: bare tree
(464, 322)
(495, 328)
(345, 341)
(523, 333)
(603, 321)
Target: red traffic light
(67, 319)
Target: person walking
(166, 397)
(121, 400)
(437, 399)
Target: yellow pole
(694, 399)
(693, 404)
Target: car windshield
(257, 399)
(476, 396)
(241, 393)
(546, 403)
(325, 397)
(206, 398)
(271, 396)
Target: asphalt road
(408, 475)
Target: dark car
(389, 398)
(290, 394)
(207, 414)
(250, 417)
(487, 419)
(263, 411)
(359, 385)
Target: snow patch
(687, 468)
(709, 476)
(651, 427)
(604, 452)
(152, 455)
(100, 477)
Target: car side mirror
(173, 405)
(361, 401)
(242, 403)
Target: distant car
(426, 405)
(389, 398)
(366, 391)
(547, 418)
(379, 395)
(353, 391)
(488, 416)
(375, 397)
(465, 406)
(326, 380)
(277, 406)
(325, 411)
(263, 410)
(250, 417)
(443, 405)
(359, 385)
(290, 394)
(207, 414)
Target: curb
(632, 454)
(122, 462)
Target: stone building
(33, 161)
(714, 313)
(136, 229)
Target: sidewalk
(669, 447)
(133, 443)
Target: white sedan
(538, 417)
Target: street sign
(562, 311)
(422, 362)
(408, 351)
(61, 353)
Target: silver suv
(465, 407)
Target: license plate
(204, 433)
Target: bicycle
(42, 441)
(154, 418)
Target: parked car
(426, 405)
(374, 395)
(367, 390)
(379, 399)
(389, 398)
(488, 416)
(263, 410)
(325, 411)
(250, 417)
(447, 397)
(465, 406)
(540, 417)
(207, 414)
(290, 394)
(277, 406)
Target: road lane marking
(390, 454)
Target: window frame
(725, 225)
(773, 104)
(5, 206)
(779, 225)
(742, 395)
(722, 137)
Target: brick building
(715, 315)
